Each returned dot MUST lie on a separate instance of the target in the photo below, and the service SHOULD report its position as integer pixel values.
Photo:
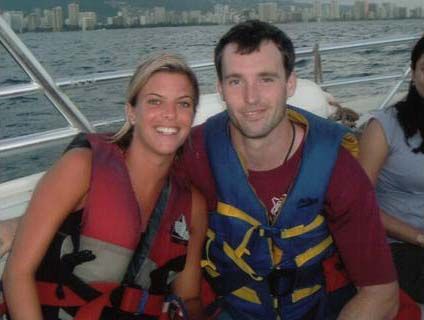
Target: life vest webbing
(126, 299)
(144, 245)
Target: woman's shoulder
(385, 116)
(77, 160)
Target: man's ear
(130, 113)
(291, 84)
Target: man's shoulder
(348, 173)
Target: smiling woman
(104, 208)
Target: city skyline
(73, 16)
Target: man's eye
(267, 80)
(233, 82)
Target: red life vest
(88, 259)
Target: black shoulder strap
(144, 246)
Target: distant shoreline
(170, 25)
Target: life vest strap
(47, 292)
(123, 298)
(136, 300)
(280, 281)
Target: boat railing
(41, 81)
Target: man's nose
(251, 93)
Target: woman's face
(418, 76)
(163, 114)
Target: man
(285, 193)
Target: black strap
(280, 281)
(144, 246)
(284, 281)
(111, 313)
(66, 277)
(79, 141)
(159, 276)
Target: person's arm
(372, 303)
(187, 284)
(355, 224)
(8, 227)
(59, 192)
(373, 153)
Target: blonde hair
(165, 62)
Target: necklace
(280, 202)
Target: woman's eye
(154, 102)
(185, 104)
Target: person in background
(112, 230)
(286, 196)
(392, 154)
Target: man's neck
(269, 152)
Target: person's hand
(7, 233)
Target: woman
(123, 214)
(392, 154)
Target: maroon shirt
(350, 206)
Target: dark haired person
(289, 196)
(392, 153)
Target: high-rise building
(268, 11)
(159, 15)
(317, 9)
(335, 9)
(388, 9)
(359, 10)
(124, 13)
(194, 16)
(373, 11)
(33, 21)
(15, 19)
(57, 19)
(221, 13)
(87, 20)
(366, 8)
(47, 19)
(73, 14)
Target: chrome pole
(39, 75)
(395, 89)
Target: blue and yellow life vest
(265, 270)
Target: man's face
(255, 88)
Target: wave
(11, 81)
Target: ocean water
(73, 54)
